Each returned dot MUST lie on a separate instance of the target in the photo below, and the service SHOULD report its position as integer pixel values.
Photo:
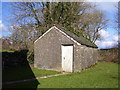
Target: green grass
(6, 51)
(21, 73)
(102, 75)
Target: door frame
(72, 56)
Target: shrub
(30, 56)
(14, 59)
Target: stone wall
(109, 55)
(84, 57)
(48, 50)
(88, 56)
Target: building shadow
(15, 67)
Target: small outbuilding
(61, 50)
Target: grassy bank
(102, 75)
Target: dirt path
(18, 81)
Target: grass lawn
(6, 51)
(21, 73)
(102, 75)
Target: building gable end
(60, 32)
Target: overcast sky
(109, 35)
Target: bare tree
(23, 36)
(32, 19)
(5, 42)
(92, 23)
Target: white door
(67, 58)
